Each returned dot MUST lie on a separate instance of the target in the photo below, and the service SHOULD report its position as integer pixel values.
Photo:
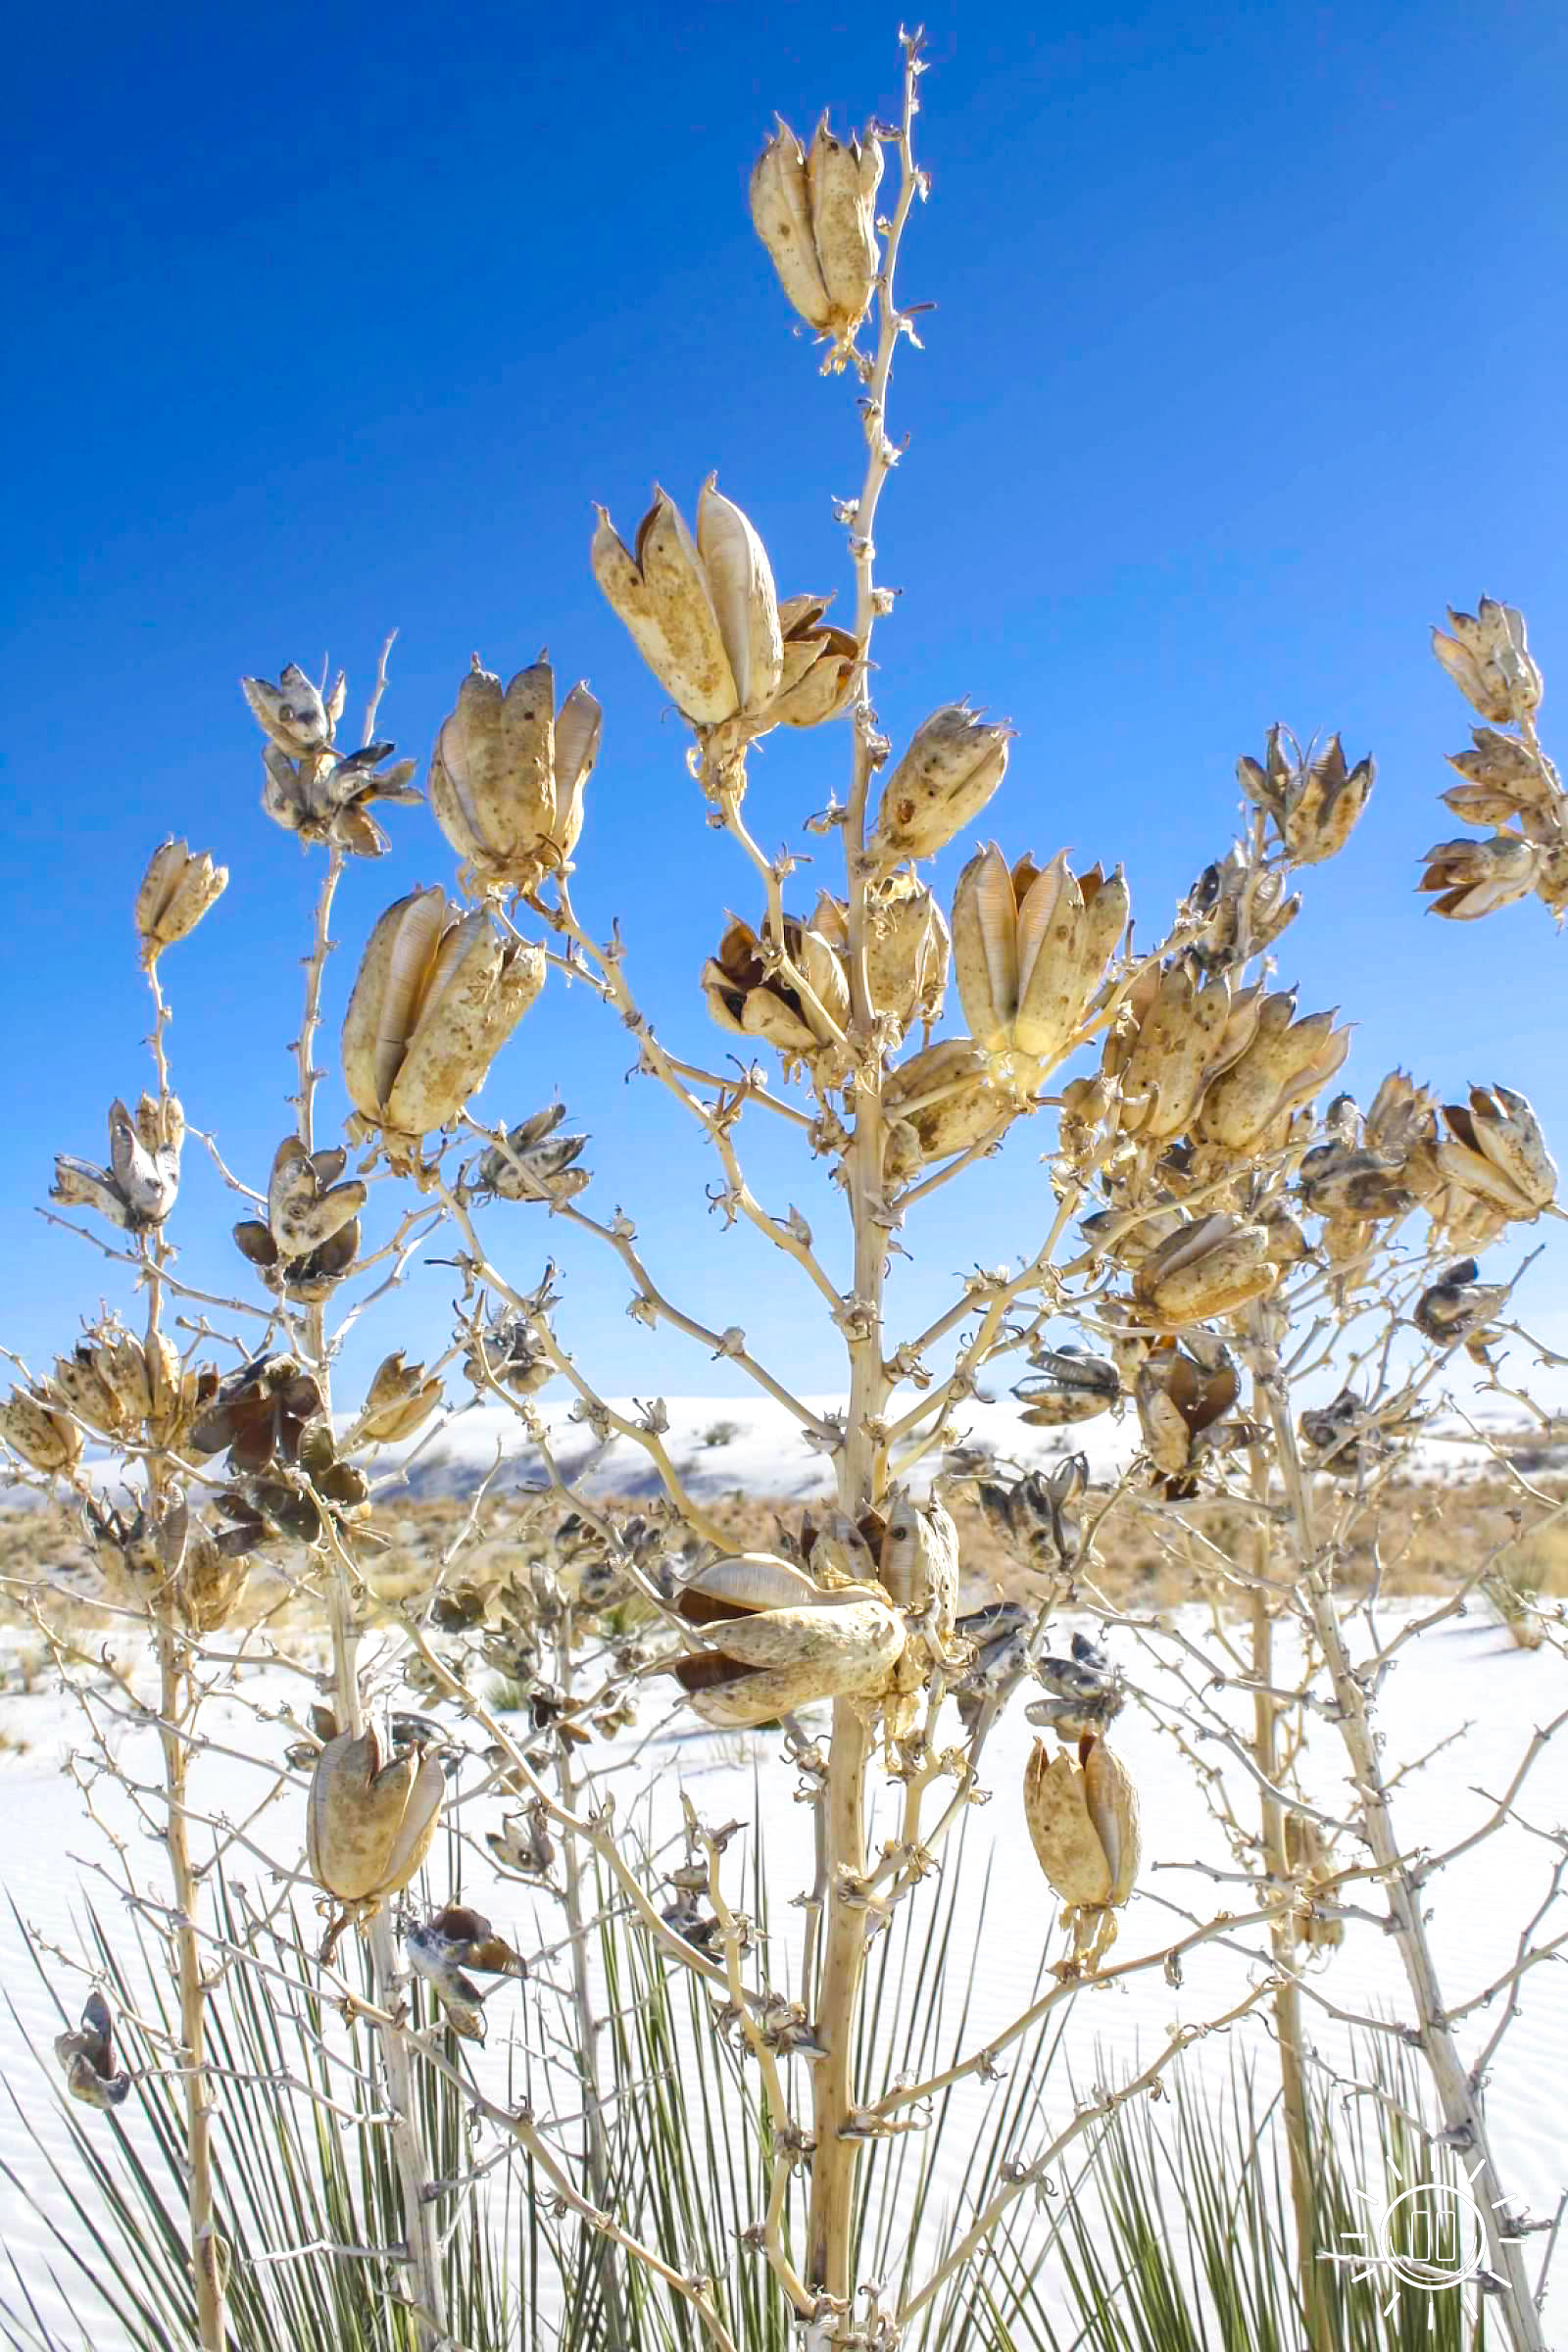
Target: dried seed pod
(817, 669)
(140, 1184)
(1175, 1034)
(782, 1641)
(34, 1425)
(88, 2057)
(1068, 1386)
(508, 1354)
(259, 1414)
(537, 1163)
(508, 775)
(1498, 1152)
(88, 1395)
(1489, 660)
(1338, 1180)
(176, 889)
(907, 947)
(1313, 796)
(210, 1583)
(397, 1401)
(369, 1824)
(1285, 1062)
(441, 1949)
(920, 1560)
(702, 613)
(955, 761)
(1307, 1858)
(749, 994)
(306, 1204)
(1083, 1820)
(292, 713)
(1181, 1404)
(437, 994)
(1458, 1305)
(1030, 949)
(946, 1098)
(1515, 775)
(1212, 1266)
(1472, 878)
(816, 215)
(1246, 907)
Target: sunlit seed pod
(306, 1204)
(781, 215)
(211, 1584)
(1067, 1387)
(507, 776)
(750, 995)
(1211, 1267)
(659, 590)
(1175, 1032)
(1499, 1128)
(1339, 1181)
(843, 176)
(1467, 880)
(1118, 1234)
(1489, 660)
(34, 1427)
(1287, 1060)
(740, 581)
(399, 1400)
(947, 1097)
(174, 893)
(293, 712)
(953, 763)
(919, 1559)
(818, 665)
(122, 1364)
(781, 1641)
(369, 1823)
(1082, 1815)
(1458, 1305)
(907, 947)
(1502, 764)
(536, 1164)
(1315, 797)
(85, 1393)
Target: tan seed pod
(1083, 1821)
(947, 1097)
(842, 178)
(1468, 879)
(1487, 658)
(369, 1824)
(658, 589)
(919, 1561)
(781, 1641)
(398, 1401)
(174, 893)
(740, 581)
(750, 1000)
(84, 1390)
(953, 763)
(33, 1427)
(1212, 1266)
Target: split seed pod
(1285, 1062)
(537, 1163)
(749, 996)
(34, 1427)
(1505, 780)
(368, 1824)
(1030, 947)
(919, 1561)
(702, 613)
(1498, 1152)
(1472, 878)
(176, 891)
(782, 1641)
(1212, 1266)
(441, 1949)
(1067, 1385)
(88, 2057)
(1489, 660)
(438, 994)
(1456, 1307)
(1181, 1403)
(141, 1182)
(817, 214)
(1314, 799)
(907, 947)
(399, 1400)
(818, 665)
(955, 761)
(1083, 1820)
(508, 775)
(943, 1100)
(1176, 1032)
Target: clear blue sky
(1249, 353)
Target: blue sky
(1247, 355)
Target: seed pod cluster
(751, 993)
(176, 889)
(507, 776)
(310, 1236)
(1083, 1820)
(780, 1640)
(1177, 1031)
(141, 1182)
(1487, 658)
(1030, 950)
(309, 787)
(1284, 1061)
(437, 994)
(815, 212)
(1314, 799)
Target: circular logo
(1432, 2236)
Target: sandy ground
(1464, 1672)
